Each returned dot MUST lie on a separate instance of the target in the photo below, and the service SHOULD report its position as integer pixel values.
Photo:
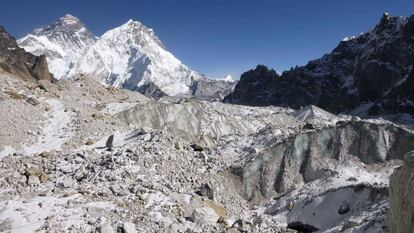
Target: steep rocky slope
(17, 61)
(401, 197)
(130, 56)
(371, 73)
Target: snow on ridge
(130, 56)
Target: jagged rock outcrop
(313, 154)
(18, 62)
(374, 69)
(402, 197)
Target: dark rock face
(375, 67)
(210, 89)
(401, 197)
(254, 87)
(17, 61)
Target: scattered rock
(344, 208)
(33, 180)
(349, 224)
(242, 226)
(33, 101)
(44, 154)
(290, 205)
(178, 146)
(110, 142)
(44, 177)
(117, 190)
(129, 227)
(106, 228)
(309, 125)
(204, 215)
(206, 191)
(89, 142)
(197, 147)
(67, 182)
(34, 171)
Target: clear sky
(219, 37)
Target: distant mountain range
(129, 56)
(371, 74)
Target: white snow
(28, 216)
(228, 78)
(129, 56)
(55, 132)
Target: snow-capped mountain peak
(63, 42)
(69, 19)
(228, 78)
(130, 56)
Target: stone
(290, 205)
(178, 146)
(349, 224)
(129, 227)
(204, 215)
(242, 225)
(206, 191)
(44, 154)
(33, 180)
(110, 141)
(409, 158)
(44, 177)
(233, 230)
(80, 174)
(33, 101)
(344, 208)
(197, 147)
(89, 142)
(309, 126)
(34, 171)
(117, 190)
(67, 182)
(106, 228)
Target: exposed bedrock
(311, 155)
(402, 197)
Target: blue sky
(219, 37)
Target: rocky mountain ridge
(130, 56)
(370, 74)
(17, 61)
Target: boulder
(204, 215)
(33, 101)
(128, 227)
(401, 197)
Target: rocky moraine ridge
(78, 156)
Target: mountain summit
(63, 42)
(130, 56)
(371, 74)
